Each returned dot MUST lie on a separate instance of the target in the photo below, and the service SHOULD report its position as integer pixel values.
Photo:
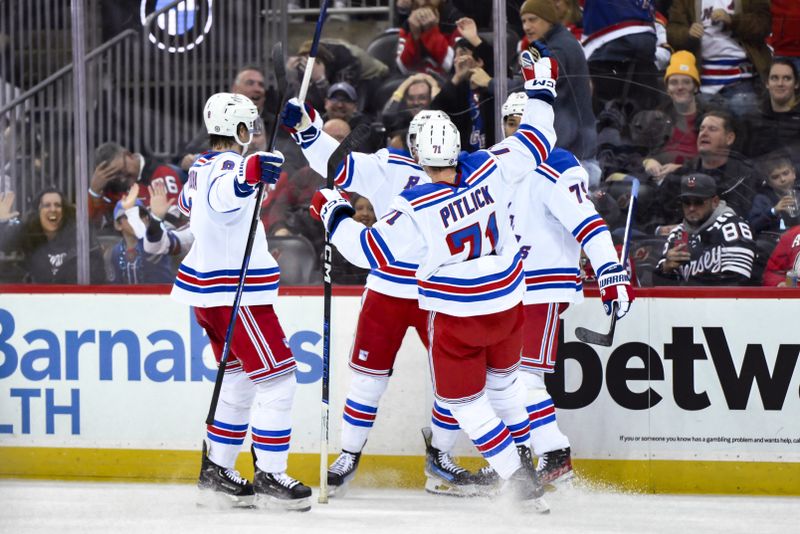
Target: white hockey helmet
(224, 112)
(438, 143)
(514, 104)
(416, 123)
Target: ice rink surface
(66, 507)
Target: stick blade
(279, 66)
(593, 338)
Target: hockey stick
(279, 64)
(348, 144)
(312, 54)
(599, 338)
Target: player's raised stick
(606, 339)
(279, 65)
(348, 144)
(312, 54)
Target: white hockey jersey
(459, 234)
(379, 177)
(553, 217)
(220, 211)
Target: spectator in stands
(47, 239)
(775, 206)
(684, 111)
(620, 45)
(730, 42)
(575, 122)
(427, 37)
(116, 170)
(785, 258)
(127, 262)
(466, 96)
(785, 38)
(777, 123)
(341, 102)
(711, 246)
(344, 272)
(736, 177)
(413, 95)
(285, 211)
(337, 61)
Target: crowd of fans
(697, 99)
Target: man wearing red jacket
(426, 39)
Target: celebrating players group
(478, 252)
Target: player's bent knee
(277, 392)
(367, 388)
(495, 382)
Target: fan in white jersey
(259, 382)
(391, 291)
(470, 274)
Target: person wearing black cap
(341, 102)
(711, 246)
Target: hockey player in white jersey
(259, 382)
(391, 291)
(553, 218)
(470, 274)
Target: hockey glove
(262, 167)
(540, 72)
(302, 122)
(330, 207)
(615, 288)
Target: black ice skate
(444, 476)
(222, 487)
(341, 472)
(555, 468)
(487, 482)
(524, 485)
(280, 489)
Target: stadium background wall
(699, 393)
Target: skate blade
(265, 502)
(218, 500)
(438, 486)
(563, 481)
(338, 491)
(538, 506)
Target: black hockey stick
(599, 338)
(279, 65)
(348, 144)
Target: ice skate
(524, 486)
(341, 472)
(222, 487)
(487, 482)
(555, 468)
(444, 476)
(281, 490)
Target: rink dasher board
(117, 386)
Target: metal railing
(144, 93)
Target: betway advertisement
(699, 379)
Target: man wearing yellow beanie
(575, 121)
(684, 63)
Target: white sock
(272, 422)
(508, 397)
(444, 428)
(226, 436)
(545, 434)
(488, 433)
(360, 410)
